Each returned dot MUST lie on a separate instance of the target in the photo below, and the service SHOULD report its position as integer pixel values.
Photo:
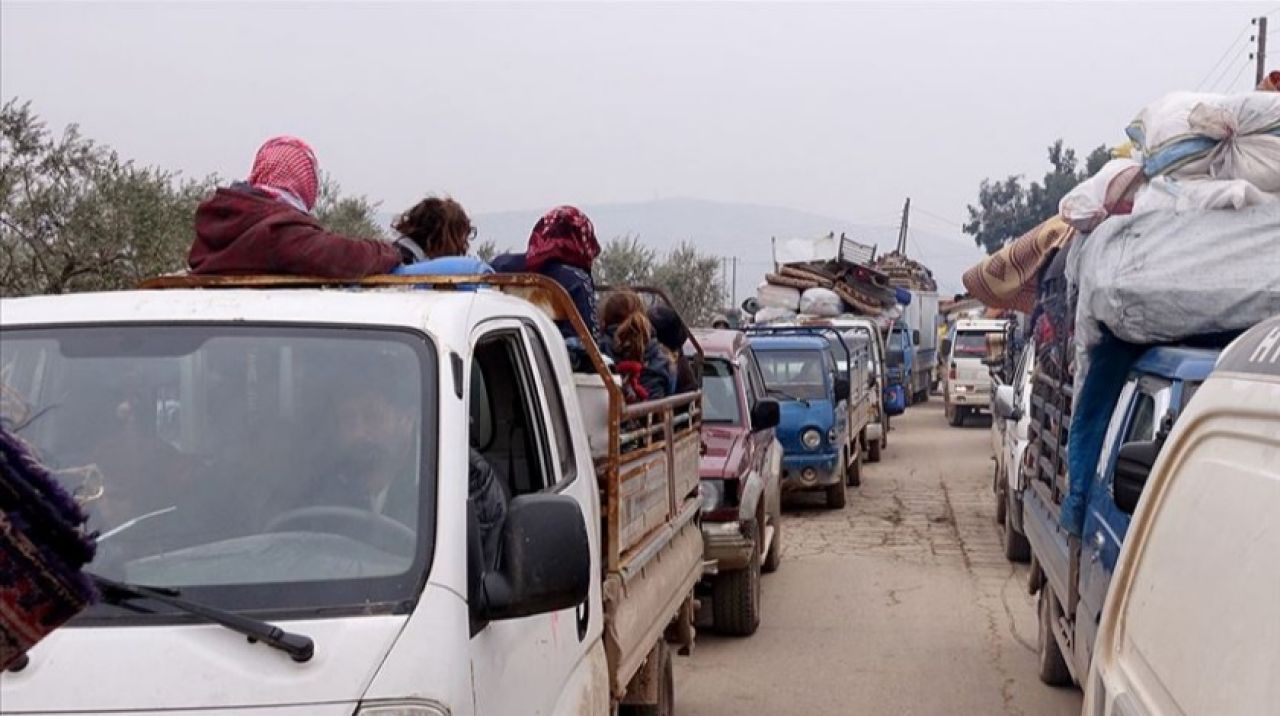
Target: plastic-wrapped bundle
(821, 302)
(785, 297)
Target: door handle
(1099, 541)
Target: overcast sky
(842, 109)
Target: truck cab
(801, 372)
(1189, 622)
(1072, 575)
(741, 472)
(386, 484)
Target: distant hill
(742, 230)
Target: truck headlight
(712, 494)
(811, 438)
(413, 707)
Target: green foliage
(690, 278)
(76, 217)
(1006, 209)
(485, 250)
(355, 216)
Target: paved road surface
(902, 603)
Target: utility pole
(902, 230)
(735, 282)
(724, 279)
(1261, 53)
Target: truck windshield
(719, 393)
(278, 469)
(970, 344)
(797, 373)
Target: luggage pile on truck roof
(1176, 240)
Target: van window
(796, 374)
(970, 344)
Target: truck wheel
(1001, 505)
(666, 705)
(1053, 668)
(873, 450)
(736, 595)
(1016, 546)
(773, 558)
(922, 396)
(853, 473)
(836, 496)
(954, 416)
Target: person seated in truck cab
(265, 224)
(562, 247)
(437, 232)
(627, 338)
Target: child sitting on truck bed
(627, 338)
(265, 225)
(437, 232)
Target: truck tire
(1053, 668)
(1001, 504)
(666, 705)
(853, 473)
(735, 595)
(1016, 546)
(773, 558)
(873, 450)
(955, 416)
(836, 496)
(923, 396)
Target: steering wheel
(396, 536)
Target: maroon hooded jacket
(240, 230)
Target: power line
(1247, 63)
(1225, 54)
(1226, 69)
(941, 218)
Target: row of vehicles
(275, 469)
(1161, 601)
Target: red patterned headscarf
(286, 167)
(564, 234)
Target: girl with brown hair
(437, 233)
(627, 337)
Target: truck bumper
(976, 399)
(724, 543)
(875, 431)
(808, 472)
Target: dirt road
(902, 603)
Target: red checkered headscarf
(564, 234)
(287, 165)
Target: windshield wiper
(130, 523)
(789, 396)
(298, 646)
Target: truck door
(1104, 524)
(766, 452)
(520, 423)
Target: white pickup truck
(297, 463)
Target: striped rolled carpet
(1007, 278)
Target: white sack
(1190, 134)
(770, 315)
(1172, 194)
(821, 302)
(1109, 191)
(771, 296)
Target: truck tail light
(952, 374)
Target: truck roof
(403, 307)
(720, 342)
(1178, 363)
(789, 342)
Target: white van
(1190, 623)
(967, 386)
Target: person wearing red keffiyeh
(265, 225)
(562, 247)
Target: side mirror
(915, 337)
(765, 414)
(1133, 466)
(1003, 404)
(842, 388)
(545, 562)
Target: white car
(1190, 622)
(1011, 408)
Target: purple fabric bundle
(43, 548)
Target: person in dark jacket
(562, 247)
(672, 335)
(264, 225)
(627, 338)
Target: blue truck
(802, 372)
(1073, 555)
